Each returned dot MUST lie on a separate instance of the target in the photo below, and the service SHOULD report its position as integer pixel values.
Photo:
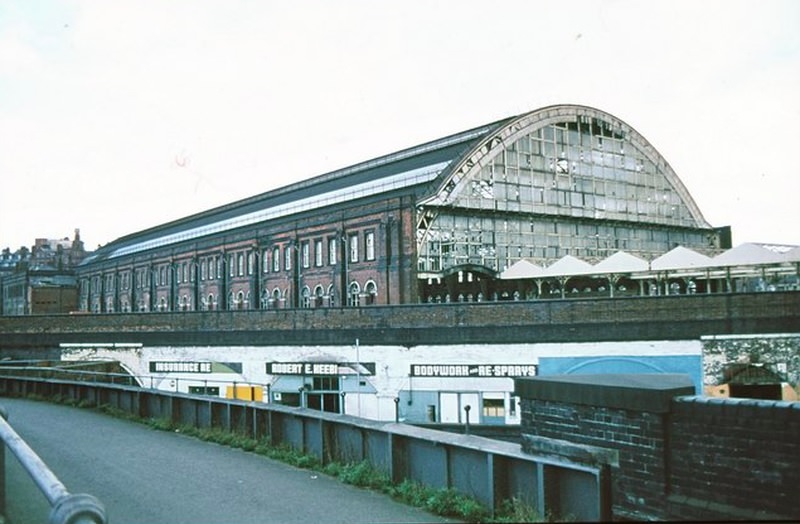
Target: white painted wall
(392, 368)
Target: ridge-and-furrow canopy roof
(680, 259)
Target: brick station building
(435, 222)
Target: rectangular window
(353, 248)
(240, 264)
(305, 248)
(369, 245)
(287, 256)
(265, 261)
(494, 407)
(251, 262)
(332, 251)
(232, 265)
(318, 253)
(276, 259)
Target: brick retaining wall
(680, 457)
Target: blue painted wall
(691, 365)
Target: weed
(363, 475)
(445, 502)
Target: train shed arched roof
(456, 179)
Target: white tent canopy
(522, 269)
(567, 266)
(680, 258)
(621, 262)
(749, 255)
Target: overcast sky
(119, 116)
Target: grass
(439, 501)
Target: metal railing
(65, 507)
(491, 471)
(126, 379)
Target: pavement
(143, 475)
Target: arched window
(265, 299)
(162, 304)
(305, 298)
(371, 292)
(211, 302)
(276, 298)
(240, 300)
(353, 295)
(246, 300)
(331, 296)
(319, 295)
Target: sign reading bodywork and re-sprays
(474, 370)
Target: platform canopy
(568, 266)
(522, 269)
(621, 262)
(680, 258)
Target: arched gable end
(574, 161)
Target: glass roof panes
(400, 180)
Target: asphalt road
(147, 476)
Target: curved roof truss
(471, 164)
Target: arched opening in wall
(331, 296)
(319, 296)
(162, 304)
(754, 380)
(462, 283)
(247, 300)
(276, 298)
(184, 303)
(265, 299)
(211, 303)
(305, 297)
(354, 295)
(370, 293)
(239, 300)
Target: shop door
(324, 394)
(324, 402)
(451, 408)
(448, 408)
